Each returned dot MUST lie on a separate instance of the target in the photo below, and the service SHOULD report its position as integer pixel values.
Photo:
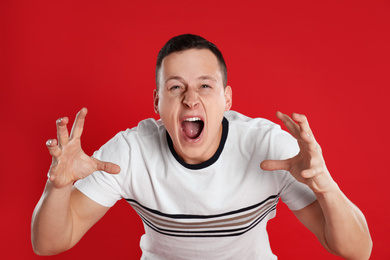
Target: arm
(61, 218)
(63, 214)
(338, 224)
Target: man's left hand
(308, 166)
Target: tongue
(192, 129)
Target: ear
(228, 98)
(156, 100)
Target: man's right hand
(69, 162)
(64, 214)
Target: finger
(78, 124)
(49, 176)
(108, 167)
(54, 150)
(303, 123)
(292, 127)
(62, 131)
(306, 132)
(274, 165)
(308, 173)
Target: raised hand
(69, 162)
(308, 166)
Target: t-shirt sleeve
(104, 188)
(297, 195)
(294, 194)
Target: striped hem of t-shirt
(232, 223)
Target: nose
(191, 99)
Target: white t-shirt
(214, 210)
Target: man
(194, 177)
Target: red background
(327, 59)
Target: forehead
(190, 63)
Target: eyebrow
(205, 77)
(174, 78)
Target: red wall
(327, 59)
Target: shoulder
(261, 134)
(147, 132)
(258, 128)
(239, 120)
(145, 128)
(148, 127)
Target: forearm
(51, 226)
(345, 229)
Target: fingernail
(59, 120)
(49, 142)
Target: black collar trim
(213, 159)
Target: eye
(206, 86)
(174, 87)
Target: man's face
(191, 102)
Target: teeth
(193, 119)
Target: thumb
(108, 167)
(274, 165)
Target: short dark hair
(190, 41)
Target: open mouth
(192, 127)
